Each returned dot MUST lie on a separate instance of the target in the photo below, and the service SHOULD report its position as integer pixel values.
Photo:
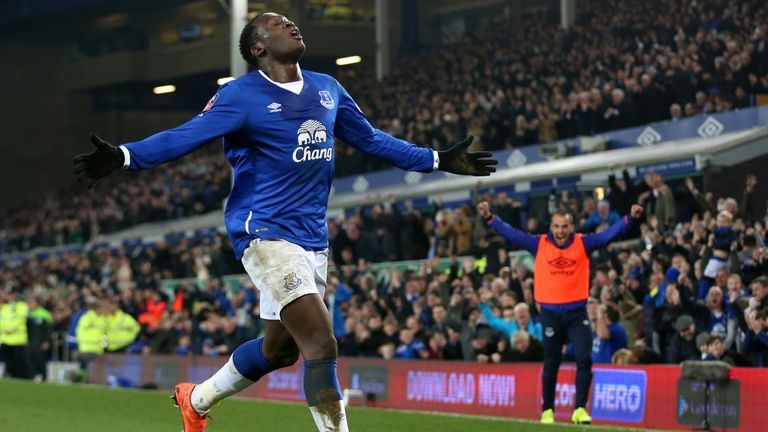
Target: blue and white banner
(364, 182)
(703, 126)
(619, 394)
(681, 166)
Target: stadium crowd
(626, 64)
(193, 186)
(692, 284)
(622, 64)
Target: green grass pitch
(29, 407)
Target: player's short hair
(564, 213)
(248, 38)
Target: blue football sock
(249, 360)
(321, 385)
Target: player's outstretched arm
(92, 167)
(511, 234)
(353, 127)
(222, 115)
(458, 160)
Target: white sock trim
(325, 422)
(224, 383)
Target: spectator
(410, 348)
(716, 350)
(756, 340)
(39, 330)
(682, 346)
(620, 113)
(513, 319)
(622, 192)
(435, 346)
(719, 321)
(603, 217)
(524, 348)
(675, 112)
(756, 303)
(721, 241)
(702, 341)
(609, 334)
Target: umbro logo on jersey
(274, 107)
(562, 262)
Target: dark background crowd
(656, 293)
(524, 82)
(192, 186)
(622, 64)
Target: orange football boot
(193, 422)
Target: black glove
(93, 166)
(458, 160)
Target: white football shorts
(282, 272)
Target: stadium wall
(639, 396)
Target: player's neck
(281, 72)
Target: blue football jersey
(281, 147)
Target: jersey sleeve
(513, 235)
(353, 127)
(223, 114)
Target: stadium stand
(624, 68)
(674, 61)
(622, 64)
(457, 301)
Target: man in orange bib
(561, 288)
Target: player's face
(282, 39)
(561, 228)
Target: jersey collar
(294, 87)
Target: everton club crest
(291, 281)
(326, 100)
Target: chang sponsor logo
(310, 134)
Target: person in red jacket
(561, 288)
(152, 310)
